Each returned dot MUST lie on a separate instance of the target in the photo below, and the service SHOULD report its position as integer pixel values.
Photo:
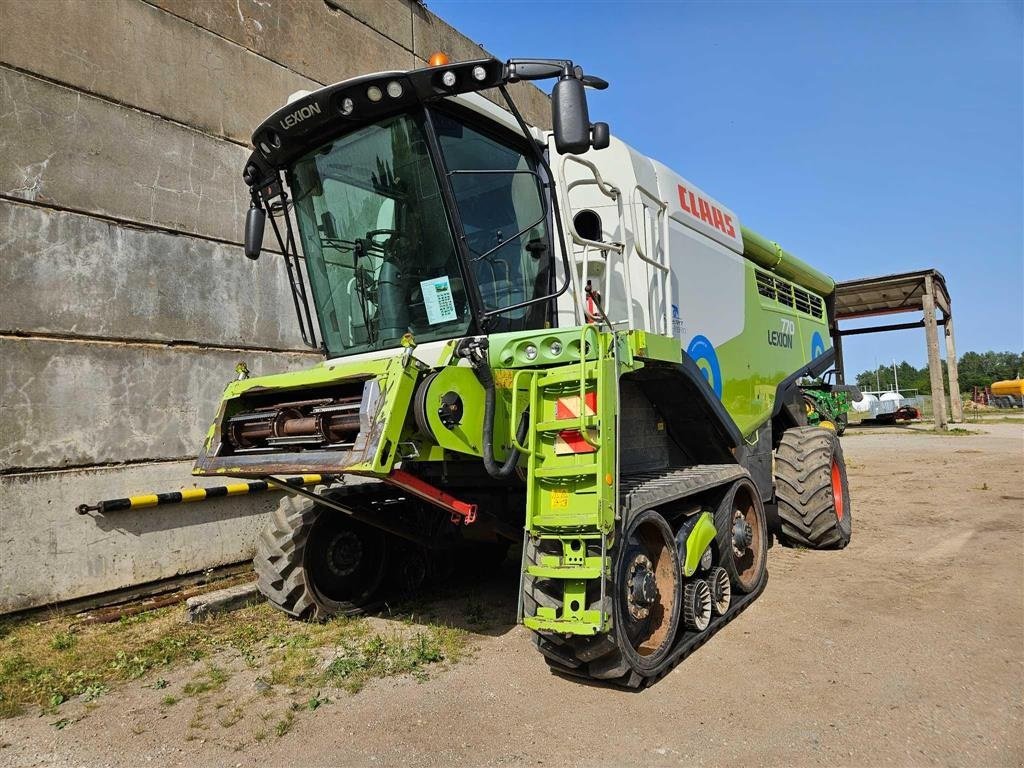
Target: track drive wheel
(742, 529)
(811, 487)
(314, 562)
(645, 599)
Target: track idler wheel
(721, 590)
(697, 605)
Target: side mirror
(600, 136)
(570, 118)
(255, 222)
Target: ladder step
(561, 425)
(547, 620)
(569, 374)
(589, 569)
(574, 471)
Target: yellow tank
(1011, 387)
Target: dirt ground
(907, 648)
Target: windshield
(378, 247)
(502, 212)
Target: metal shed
(924, 292)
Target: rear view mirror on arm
(255, 222)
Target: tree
(976, 369)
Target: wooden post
(931, 332)
(956, 405)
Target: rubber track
(640, 492)
(652, 489)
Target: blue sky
(867, 138)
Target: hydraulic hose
(478, 361)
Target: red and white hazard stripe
(570, 441)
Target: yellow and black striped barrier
(189, 495)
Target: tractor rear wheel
(811, 489)
(313, 562)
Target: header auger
(535, 338)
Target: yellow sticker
(559, 499)
(503, 378)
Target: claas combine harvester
(534, 337)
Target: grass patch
(384, 656)
(44, 663)
(284, 724)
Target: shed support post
(956, 405)
(931, 331)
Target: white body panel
(641, 206)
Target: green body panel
(752, 366)
(700, 537)
(395, 378)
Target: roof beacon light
(373, 93)
(479, 73)
(394, 89)
(438, 59)
(448, 78)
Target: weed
(160, 683)
(169, 701)
(94, 691)
(260, 735)
(284, 724)
(61, 724)
(63, 641)
(316, 701)
(211, 680)
(138, 730)
(232, 717)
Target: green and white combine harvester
(538, 337)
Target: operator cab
(423, 210)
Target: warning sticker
(559, 499)
(438, 300)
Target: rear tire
(811, 489)
(313, 562)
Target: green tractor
(534, 338)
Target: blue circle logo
(817, 346)
(703, 354)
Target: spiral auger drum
(536, 337)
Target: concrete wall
(125, 302)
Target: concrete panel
(132, 53)
(60, 147)
(49, 553)
(298, 40)
(392, 18)
(66, 273)
(309, 38)
(74, 403)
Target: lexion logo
(299, 115)
(782, 338)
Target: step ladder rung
(576, 470)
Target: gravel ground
(907, 648)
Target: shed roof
(888, 294)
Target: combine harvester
(529, 342)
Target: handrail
(664, 268)
(584, 432)
(512, 416)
